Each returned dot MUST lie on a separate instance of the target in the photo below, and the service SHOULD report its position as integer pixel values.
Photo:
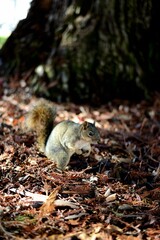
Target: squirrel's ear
(85, 125)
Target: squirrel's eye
(91, 134)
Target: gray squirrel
(61, 141)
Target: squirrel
(59, 142)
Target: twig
(6, 233)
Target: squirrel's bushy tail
(41, 120)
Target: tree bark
(89, 51)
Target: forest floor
(112, 194)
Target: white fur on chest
(81, 144)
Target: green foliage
(2, 40)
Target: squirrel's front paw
(79, 151)
(85, 152)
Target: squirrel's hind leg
(59, 155)
(62, 159)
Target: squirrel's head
(89, 132)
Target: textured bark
(32, 40)
(90, 51)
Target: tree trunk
(89, 51)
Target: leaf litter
(112, 194)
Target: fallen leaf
(111, 197)
(49, 206)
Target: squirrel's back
(41, 120)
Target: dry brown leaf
(56, 237)
(125, 237)
(64, 203)
(111, 197)
(93, 236)
(74, 216)
(117, 159)
(35, 196)
(129, 150)
(49, 206)
(114, 229)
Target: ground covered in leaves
(112, 194)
